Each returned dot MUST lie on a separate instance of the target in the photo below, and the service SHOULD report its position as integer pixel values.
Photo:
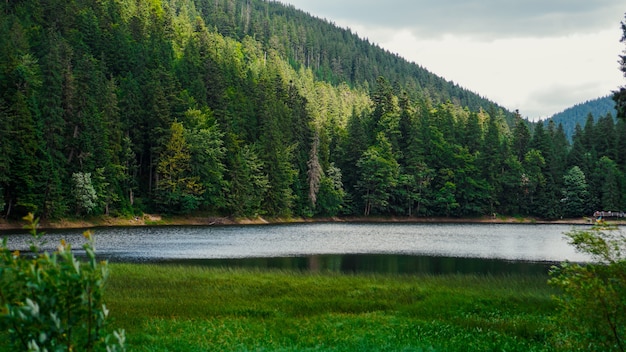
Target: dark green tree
(351, 147)
(248, 183)
(607, 174)
(575, 193)
(378, 170)
(491, 159)
(576, 152)
(521, 137)
(533, 181)
(620, 95)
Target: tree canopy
(246, 108)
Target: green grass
(187, 308)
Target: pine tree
(23, 188)
(248, 182)
(52, 114)
(608, 176)
(532, 182)
(177, 190)
(85, 196)
(576, 152)
(207, 152)
(351, 148)
(521, 137)
(378, 171)
(620, 95)
(491, 160)
(575, 193)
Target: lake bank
(159, 220)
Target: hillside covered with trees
(249, 107)
(579, 114)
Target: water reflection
(532, 243)
(378, 264)
(338, 247)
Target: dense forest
(579, 114)
(249, 107)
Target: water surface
(507, 242)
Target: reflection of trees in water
(385, 264)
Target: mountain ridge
(579, 113)
(336, 54)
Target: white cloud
(478, 18)
(539, 56)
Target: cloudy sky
(538, 56)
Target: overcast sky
(538, 56)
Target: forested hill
(247, 108)
(333, 54)
(581, 113)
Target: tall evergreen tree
(521, 137)
(490, 160)
(575, 193)
(620, 95)
(378, 174)
(248, 182)
(609, 191)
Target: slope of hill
(579, 113)
(334, 54)
(247, 108)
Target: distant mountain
(578, 114)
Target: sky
(538, 56)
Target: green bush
(53, 301)
(593, 298)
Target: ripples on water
(346, 247)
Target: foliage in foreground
(54, 302)
(593, 302)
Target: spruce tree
(521, 137)
(620, 95)
(575, 193)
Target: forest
(251, 108)
(579, 114)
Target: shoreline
(158, 220)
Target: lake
(344, 247)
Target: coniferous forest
(249, 107)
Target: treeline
(127, 106)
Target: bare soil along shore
(158, 220)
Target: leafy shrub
(52, 301)
(593, 299)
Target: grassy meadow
(193, 308)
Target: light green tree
(84, 193)
(445, 199)
(592, 302)
(177, 190)
(331, 194)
